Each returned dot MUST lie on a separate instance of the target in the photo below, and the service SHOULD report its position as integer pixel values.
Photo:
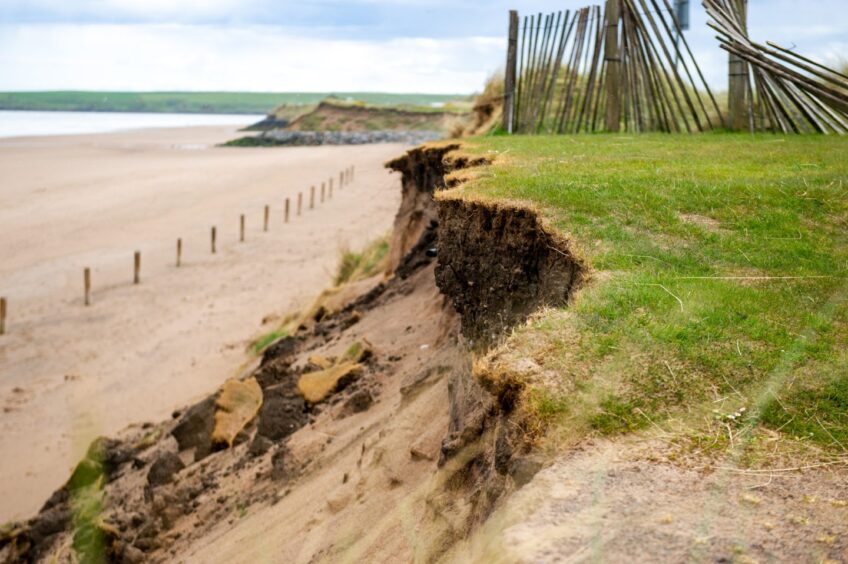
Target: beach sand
(69, 373)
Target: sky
(428, 46)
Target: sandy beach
(69, 373)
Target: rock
(319, 362)
(194, 429)
(163, 470)
(339, 501)
(316, 386)
(358, 402)
(259, 446)
(312, 138)
(282, 349)
(283, 412)
(238, 404)
(282, 467)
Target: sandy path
(69, 373)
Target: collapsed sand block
(238, 405)
(322, 362)
(316, 386)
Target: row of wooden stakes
(345, 177)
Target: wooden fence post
(330, 193)
(341, 180)
(287, 210)
(241, 229)
(214, 236)
(737, 83)
(312, 198)
(511, 73)
(2, 316)
(267, 217)
(612, 57)
(299, 202)
(179, 252)
(323, 189)
(137, 268)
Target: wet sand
(69, 373)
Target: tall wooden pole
(737, 79)
(241, 228)
(266, 218)
(288, 205)
(3, 316)
(511, 73)
(86, 280)
(214, 236)
(137, 268)
(179, 252)
(612, 57)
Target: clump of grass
(269, 339)
(720, 264)
(354, 266)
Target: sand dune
(70, 373)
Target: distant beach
(29, 124)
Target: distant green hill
(197, 102)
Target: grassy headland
(198, 102)
(718, 302)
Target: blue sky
(324, 45)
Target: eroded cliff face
(367, 419)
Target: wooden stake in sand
(179, 252)
(267, 217)
(86, 280)
(312, 198)
(330, 195)
(2, 316)
(241, 228)
(137, 268)
(287, 210)
(214, 236)
(341, 180)
(323, 189)
(299, 202)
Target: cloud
(399, 45)
(252, 58)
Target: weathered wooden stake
(267, 218)
(179, 252)
(241, 228)
(341, 180)
(287, 210)
(511, 73)
(613, 60)
(312, 198)
(86, 282)
(323, 189)
(737, 85)
(330, 194)
(299, 202)
(137, 268)
(214, 236)
(3, 316)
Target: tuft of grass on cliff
(718, 298)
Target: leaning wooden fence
(779, 90)
(628, 67)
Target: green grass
(198, 102)
(267, 340)
(720, 277)
(355, 266)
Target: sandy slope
(69, 373)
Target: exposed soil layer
(321, 480)
(498, 265)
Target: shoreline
(40, 124)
